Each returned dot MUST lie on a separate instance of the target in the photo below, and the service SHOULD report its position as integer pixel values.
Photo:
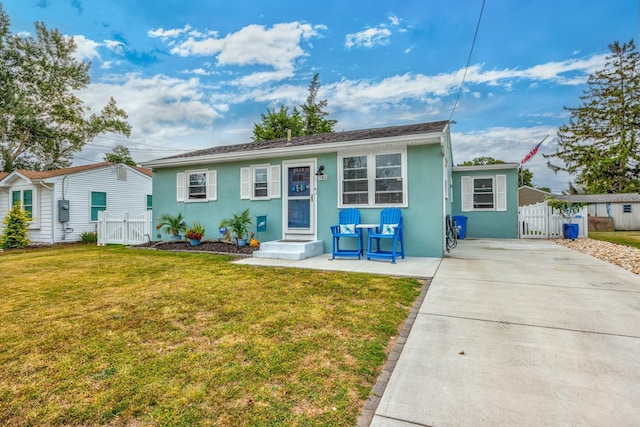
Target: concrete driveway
(520, 332)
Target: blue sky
(198, 73)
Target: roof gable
(43, 175)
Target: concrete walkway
(520, 332)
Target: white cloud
(86, 49)
(278, 47)
(157, 106)
(371, 37)
(394, 20)
(165, 34)
(115, 46)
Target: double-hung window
(260, 182)
(373, 179)
(484, 193)
(25, 198)
(196, 186)
(98, 203)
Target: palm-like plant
(172, 225)
(238, 223)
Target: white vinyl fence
(124, 228)
(541, 221)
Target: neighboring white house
(624, 208)
(64, 203)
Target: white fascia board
(486, 167)
(415, 139)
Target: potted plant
(568, 211)
(195, 233)
(174, 226)
(239, 225)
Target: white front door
(299, 201)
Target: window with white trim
(484, 193)
(373, 179)
(25, 198)
(98, 203)
(260, 182)
(196, 186)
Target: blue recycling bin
(461, 221)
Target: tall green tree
(525, 176)
(42, 121)
(120, 154)
(276, 123)
(601, 142)
(309, 119)
(313, 112)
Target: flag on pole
(533, 152)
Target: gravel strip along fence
(620, 255)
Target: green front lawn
(627, 238)
(92, 335)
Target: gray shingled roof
(601, 198)
(325, 138)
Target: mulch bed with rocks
(205, 246)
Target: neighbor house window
(373, 179)
(484, 193)
(25, 198)
(196, 186)
(149, 202)
(626, 208)
(98, 203)
(260, 182)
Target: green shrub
(89, 237)
(15, 233)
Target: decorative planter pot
(178, 237)
(570, 231)
(194, 242)
(242, 242)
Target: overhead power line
(464, 76)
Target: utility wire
(475, 36)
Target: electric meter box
(63, 210)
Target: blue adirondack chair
(346, 228)
(390, 228)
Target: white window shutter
(274, 184)
(245, 183)
(180, 187)
(501, 192)
(466, 194)
(212, 185)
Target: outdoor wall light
(320, 170)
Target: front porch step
(288, 249)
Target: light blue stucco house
(300, 184)
(487, 196)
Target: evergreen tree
(120, 154)
(15, 233)
(42, 121)
(601, 143)
(275, 124)
(308, 120)
(313, 113)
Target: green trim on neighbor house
(490, 222)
